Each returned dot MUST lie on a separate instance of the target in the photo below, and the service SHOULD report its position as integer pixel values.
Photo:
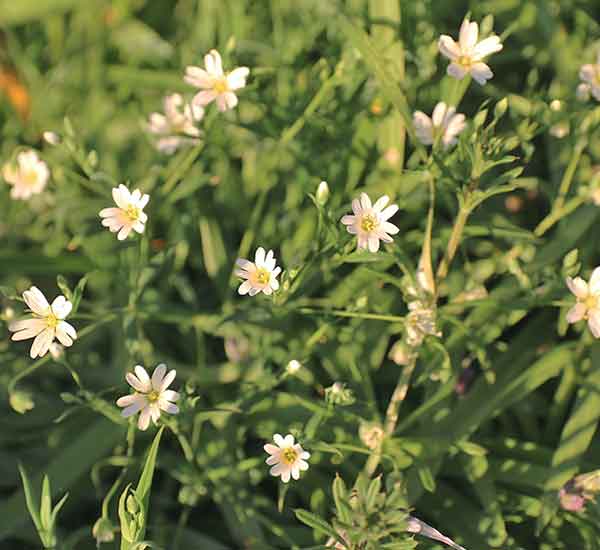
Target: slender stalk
(352, 314)
(455, 237)
(559, 208)
(392, 413)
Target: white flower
(177, 126)
(288, 459)
(588, 301)
(293, 366)
(444, 122)
(590, 75)
(261, 275)
(369, 222)
(420, 322)
(583, 92)
(467, 55)
(129, 214)
(215, 84)
(48, 322)
(151, 395)
(28, 177)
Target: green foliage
(439, 377)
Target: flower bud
(51, 138)
(103, 530)
(322, 193)
(293, 366)
(21, 401)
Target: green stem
(455, 238)
(559, 208)
(352, 314)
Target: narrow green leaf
(46, 504)
(30, 498)
(317, 523)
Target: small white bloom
(129, 214)
(583, 92)
(369, 222)
(420, 322)
(260, 275)
(177, 127)
(467, 55)
(293, 366)
(51, 138)
(215, 84)
(588, 301)
(288, 459)
(444, 122)
(590, 75)
(56, 351)
(151, 395)
(48, 322)
(28, 177)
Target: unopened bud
(51, 138)
(103, 530)
(293, 366)
(21, 401)
(322, 193)
(338, 394)
(555, 105)
(501, 107)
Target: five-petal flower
(48, 322)
(260, 275)
(444, 123)
(177, 127)
(590, 75)
(152, 395)
(467, 54)
(129, 213)
(369, 222)
(28, 177)
(215, 84)
(286, 457)
(588, 301)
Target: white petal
(204, 97)
(578, 287)
(423, 127)
(259, 257)
(41, 344)
(36, 301)
(236, 79)
(302, 465)
(121, 196)
(373, 243)
(389, 212)
(169, 395)
(285, 475)
(295, 472)
(348, 219)
(144, 419)
(276, 470)
(389, 228)
(127, 400)
(230, 99)
(244, 288)
(356, 207)
(587, 73)
(594, 285)
(169, 408)
(26, 328)
(61, 307)
(158, 375)
(222, 102)
(124, 232)
(439, 113)
(168, 380)
(197, 77)
(278, 438)
(486, 47)
(63, 337)
(468, 35)
(272, 460)
(456, 71)
(594, 322)
(448, 47)
(380, 203)
(213, 63)
(271, 449)
(576, 313)
(365, 201)
(481, 73)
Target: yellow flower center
(153, 396)
(465, 61)
(262, 276)
(368, 223)
(30, 177)
(591, 302)
(220, 86)
(132, 212)
(51, 320)
(289, 455)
